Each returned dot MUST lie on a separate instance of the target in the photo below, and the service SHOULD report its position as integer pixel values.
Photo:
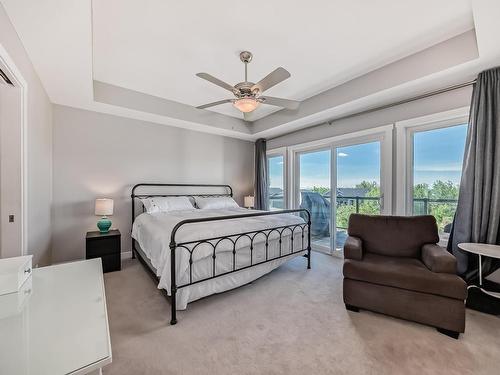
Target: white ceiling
(155, 47)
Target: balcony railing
(421, 206)
(427, 204)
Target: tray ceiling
(157, 47)
(138, 59)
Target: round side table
(481, 249)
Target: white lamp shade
(249, 201)
(103, 207)
(246, 105)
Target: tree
(424, 195)
(320, 190)
(369, 206)
(444, 190)
(427, 201)
(421, 191)
(342, 214)
(366, 206)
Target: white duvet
(153, 231)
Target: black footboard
(301, 230)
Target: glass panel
(275, 166)
(314, 185)
(358, 185)
(437, 168)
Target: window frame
(405, 131)
(275, 152)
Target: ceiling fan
(248, 94)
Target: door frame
(294, 198)
(384, 134)
(11, 70)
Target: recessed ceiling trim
(179, 113)
(448, 54)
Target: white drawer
(13, 303)
(14, 272)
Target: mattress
(153, 233)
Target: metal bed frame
(215, 241)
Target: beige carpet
(291, 321)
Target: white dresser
(57, 323)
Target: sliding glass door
(347, 176)
(314, 182)
(358, 172)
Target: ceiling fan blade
(276, 76)
(216, 81)
(279, 102)
(215, 103)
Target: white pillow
(165, 204)
(215, 203)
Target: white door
(10, 171)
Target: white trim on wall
(404, 150)
(10, 68)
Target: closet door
(10, 171)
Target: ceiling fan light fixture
(246, 105)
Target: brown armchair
(394, 266)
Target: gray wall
(99, 155)
(39, 147)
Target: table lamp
(104, 208)
(249, 201)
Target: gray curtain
(261, 185)
(478, 213)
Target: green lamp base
(104, 224)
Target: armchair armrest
(353, 248)
(438, 260)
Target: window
(430, 152)
(276, 181)
(437, 168)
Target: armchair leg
(351, 308)
(447, 332)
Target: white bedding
(152, 232)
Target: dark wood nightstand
(106, 246)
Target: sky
(437, 155)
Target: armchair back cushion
(401, 236)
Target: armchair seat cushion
(404, 273)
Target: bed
(194, 253)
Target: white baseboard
(126, 255)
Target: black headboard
(196, 190)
